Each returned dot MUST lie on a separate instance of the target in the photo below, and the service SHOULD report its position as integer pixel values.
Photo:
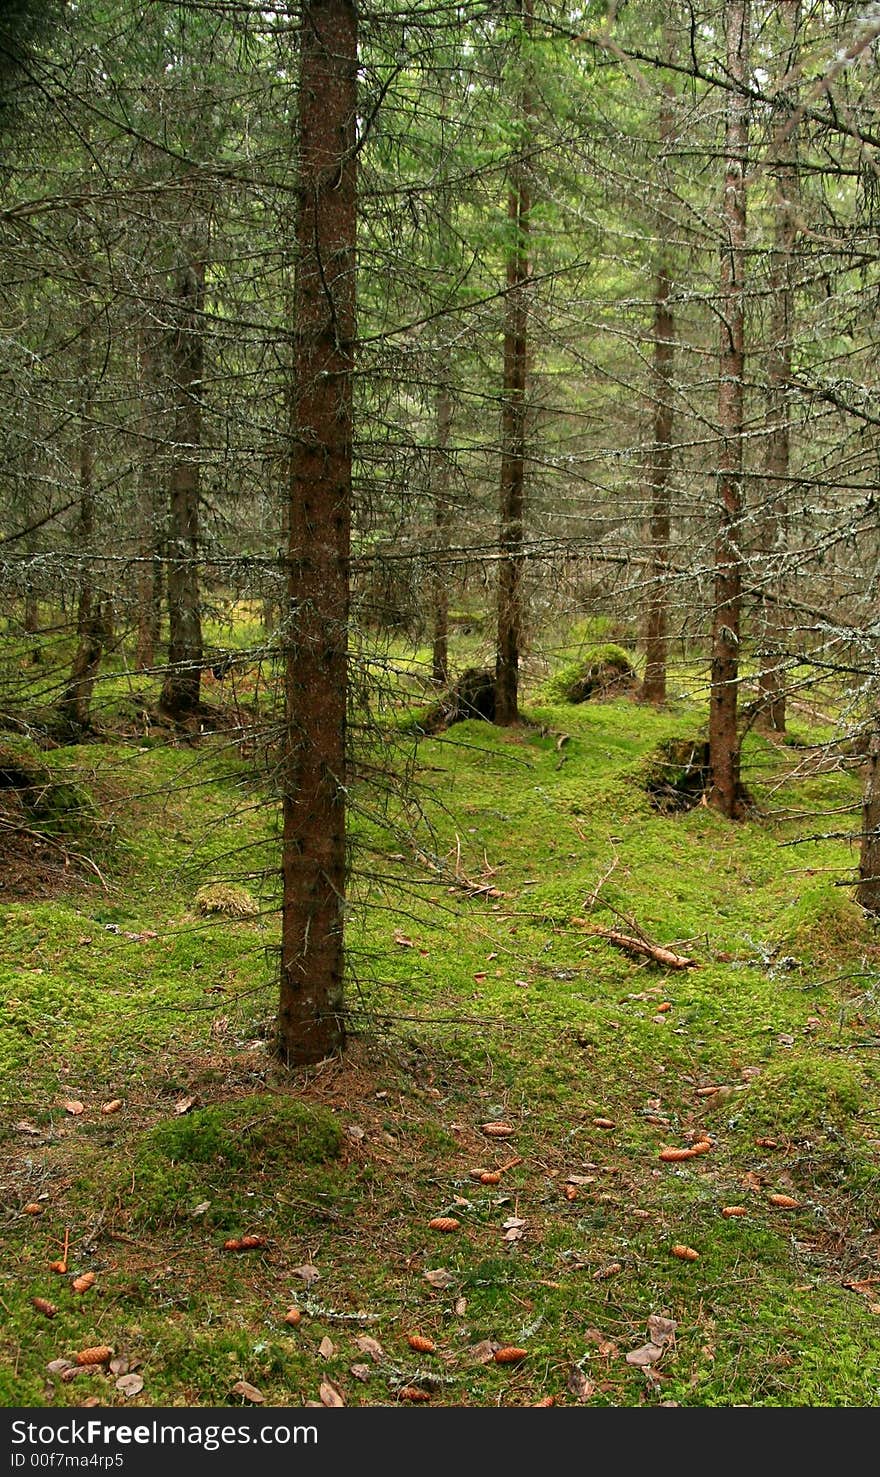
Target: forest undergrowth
(478, 1203)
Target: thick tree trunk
(310, 1021)
(724, 748)
(76, 700)
(781, 331)
(513, 426)
(181, 690)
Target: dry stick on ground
(640, 946)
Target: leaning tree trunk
(181, 690)
(513, 423)
(76, 700)
(310, 1021)
(771, 681)
(724, 748)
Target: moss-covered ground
(483, 990)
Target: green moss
(804, 1096)
(823, 921)
(600, 671)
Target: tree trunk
(310, 1021)
(440, 574)
(76, 700)
(513, 423)
(724, 748)
(771, 681)
(149, 607)
(868, 886)
(181, 690)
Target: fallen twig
(640, 946)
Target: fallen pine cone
(604, 1122)
(490, 1177)
(43, 1305)
(293, 1316)
(784, 1201)
(509, 1355)
(412, 1392)
(547, 1400)
(497, 1130)
(113, 1106)
(733, 1210)
(32, 1208)
(477, 1174)
(444, 1223)
(605, 1272)
(686, 1253)
(98, 1354)
(421, 1344)
(702, 1146)
(675, 1156)
(248, 1243)
(83, 1282)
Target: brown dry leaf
(866, 1286)
(307, 1273)
(707, 1091)
(330, 1395)
(403, 940)
(43, 1305)
(113, 1106)
(444, 1223)
(785, 1202)
(645, 1356)
(578, 1384)
(246, 1391)
(513, 1228)
(752, 1181)
(59, 1266)
(184, 1104)
(664, 1006)
(420, 1343)
(361, 1371)
(95, 1354)
(59, 1366)
(130, 1385)
(74, 1107)
(509, 1354)
(439, 1277)
(580, 1179)
(661, 1330)
(120, 1365)
(90, 1402)
(83, 1282)
(482, 1352)
(684, 1253)
(371, 1346)
(570, 1192)
(326, 1348)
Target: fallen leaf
(95, 1354)
(200, 1209)
(752, 1181)
(59, 1366)
(578, 1384)
(866, 1286)
(24, 1127)
(497, 1130)
(247, 1392)
(130, 1385)
(661, 1330)
(707, 1091)
(361, 1371)
(403, 940)
(74, 1107)
(645, 1355)
(113, 1106)
(444, 1223)
(326, 1348)
(83, 1282)
(421, 1344)
(184, 1104)
(570, 1192)
(330, 1395)
(307, 1273)
(371, 1346)
(43, 1305)
(355, 1132)
(685, 1253)
(439, 1277)
(59, 1266)
(509, 1354)
(482, 1352)
(90, 1402)
(580, 1179)
(119, 1366)
(460, 1306)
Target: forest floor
(512, 1072)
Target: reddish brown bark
(513, 427)
(76, 700)
(724, 748)
(310, 1021)
(181, 690)
(656, 637)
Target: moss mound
(228, 1156)
(824, 921)
(601, 672)
(677, 774)
(804, 1097)
(46, 801)
(228, 898)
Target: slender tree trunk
(148, 512)
(310, 1021)
(771, 680)
(76, 699)
(181, 690)
(513, 424)
(724, 748)
(440, 574)
(868, 886)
